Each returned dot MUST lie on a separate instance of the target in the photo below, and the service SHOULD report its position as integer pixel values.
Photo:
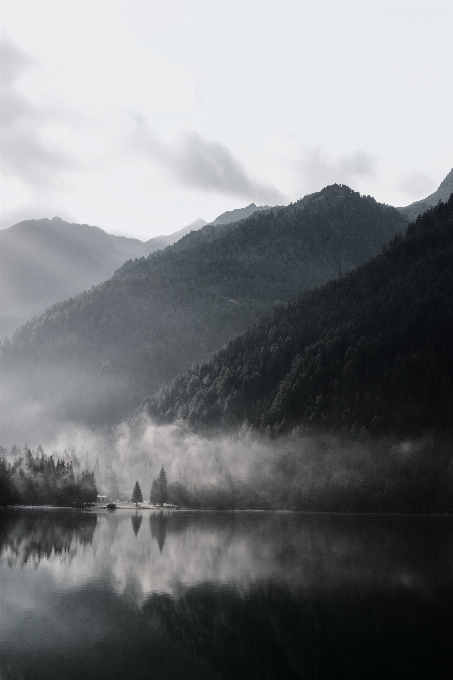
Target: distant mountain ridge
(238, 214)
(161, 242)
(442, 193)
(208, 232)
(108, 348)
(45, 261)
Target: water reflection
(34, 536)
(233, 595)
(136, 522)
(158, 526)
(299, 552)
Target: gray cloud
(318, 168)
(202, 164)
(24, 153)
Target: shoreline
(168, 509)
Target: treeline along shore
(40, 479)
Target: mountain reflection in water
(232, 595)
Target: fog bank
(241, 469)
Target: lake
(143, 594)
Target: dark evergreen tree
(163, 487)
(87, 491)
(154, 493)
(137, 494)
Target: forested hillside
(38, 479)
(370, 352)
(94, 357)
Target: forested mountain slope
(370, 350)
(161, 242)
(94, 357)
(274, 254)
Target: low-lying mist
(241, 469)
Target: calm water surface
(237, 596)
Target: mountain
(441, 194)
(238, 214)
(161, 242)
(194, 229)
(369, 352)
(223, 223)
(94, 357)
(202, 232)
(45, 261)
(129, 247)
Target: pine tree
(159, 491)
(162, 482)
(154, 493)
(137, 494)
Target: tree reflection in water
(158, 526)
(36, 535)
(136, 522)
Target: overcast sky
(140, 117)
